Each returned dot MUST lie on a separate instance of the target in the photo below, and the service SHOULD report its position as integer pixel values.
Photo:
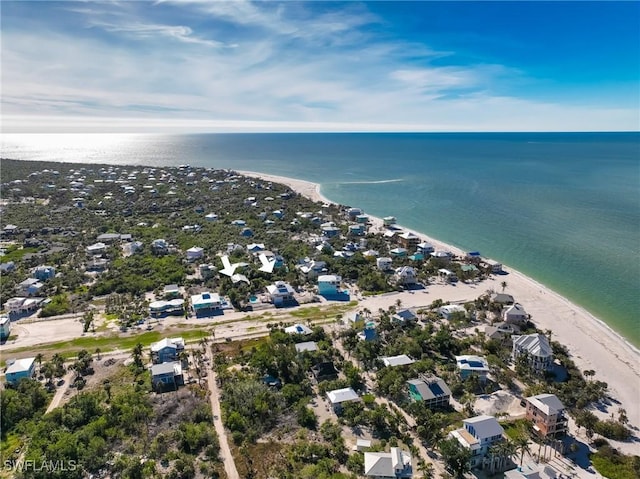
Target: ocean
(562, 208)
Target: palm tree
(521, 444)
(98, 351)
(589, 373)
(503, 285)
(137, 354)
(39, 358)
(107, 388)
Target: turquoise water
(563, 208)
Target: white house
(205, 302)
(307, 346)
(449, 310)
(395, 464)
(280, 293)
(478, 435)
(338, 397)
(384, 264)
(515, 314)
(536, 349)
(405, 276)
(470, 365)
(20, 368)
(400, 360)
(298, 329)
(97, 248)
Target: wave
(373, 182)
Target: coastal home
(389, 220)
(281, 293)
(425, 248)
(7, 267)
(329, 230)
(329, 285)
(5, 327)
(29, 287)
(207, 270)
(298, 329)
(405, 276)
(159, 246)
(255, 247)
(20, 369)
(166, 376)
(400, 360)
(515, 314)
(470, 365)
(44, 273)
(404, 316)
(311, 269)
(96, 248)
(408, 240)
(493, 266)
(211, 217)
(171, 291)
(20, 305)
(362, 219)
(338, 397)
(395, 464)
(194, 253)
(535, 348)
(449, 311)
(166, 307)
(502, 298)
(368, 333)
(546, 412)
(447, 275)
(325, 371)
(353, 213)
(499, 331)
(246, 232)
(432, 391)
(398, 252)
(356, 230)
(206, 302)
(384, 264)
(166, 350)
(478, 435)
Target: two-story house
(394, 464)
(535, 348)
(166, 350)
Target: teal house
(21, 368)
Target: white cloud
(142, 30)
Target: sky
(226, 66)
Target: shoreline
(591, 343)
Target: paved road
(225, 451)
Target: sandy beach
(591, 343)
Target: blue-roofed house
(404, 316)
(470, 365)
(246, 232)
(44, 273)
(432, 391)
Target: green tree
(456, 457)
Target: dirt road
(225, 451)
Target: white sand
(592, 344)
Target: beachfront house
(166, 350)
(298, 329)
(395, 464)
(535, 349)
(478, 435)
(338, 397)
(408, 240)
(470, 365)
(389, 220)
(502, 298)
(171, 291)
(547, 413)
(493, 266)
(166, 376)
(20, 369)
(515, 314)
(425, 248)
(432, 391)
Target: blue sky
(196, 65)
